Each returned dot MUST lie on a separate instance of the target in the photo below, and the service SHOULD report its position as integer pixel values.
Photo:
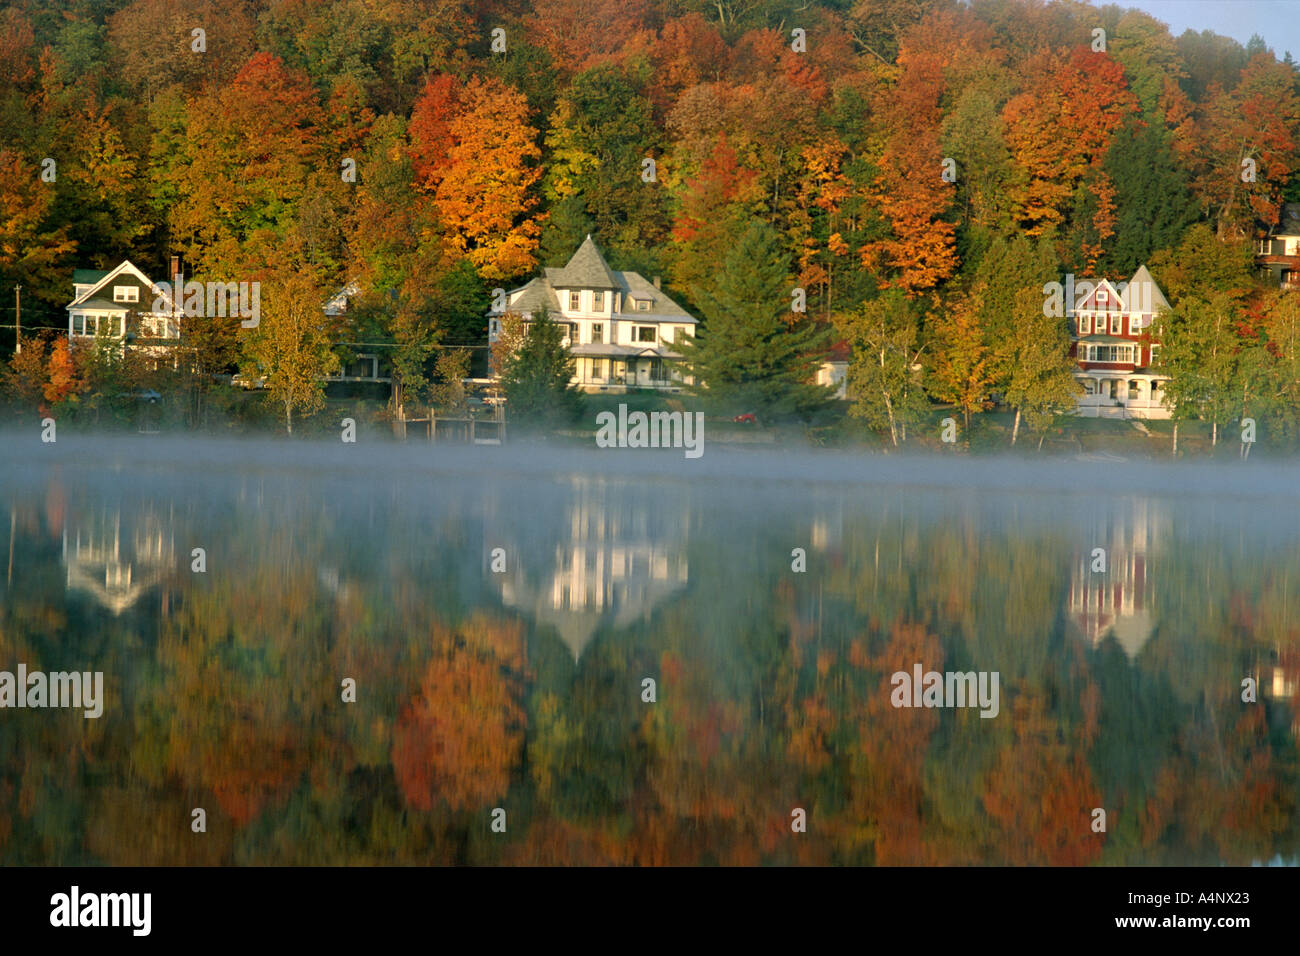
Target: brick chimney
(174, 275)
(656, 282)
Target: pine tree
(537, 376)
(748, 357)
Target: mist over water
(514, 678)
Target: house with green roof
(620, 328)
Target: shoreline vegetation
(1115, 440)
(899, 203)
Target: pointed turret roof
(1142, 294)
(586, 270)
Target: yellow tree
(292, 346)
(964, 366)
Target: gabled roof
(105, 278)
(586, 270)
(589, 271)
(537, 294)
(1142, 294)
(87, 276)
(1288, 223)
(635, 286)
(1114, 300)
(338, 302)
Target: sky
(1277, 21)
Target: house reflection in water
(615, 558)
(1120, 601)
(1278, 684)
(114, 560)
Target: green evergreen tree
(748, 357)
(537, 377)
(564, 231)
(1153, 198)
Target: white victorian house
(620, 328)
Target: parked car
(748, 418)
(246, 381)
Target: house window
(1102, 297)
(598, 302)
(126, 293)
(598, 333)
(1115, 322)
(1134, 390)
(1085, 326)
(1110, 353)
(571, 331)
(598, 369)
(575, 301)
(1154, 351)
(643, 305)
(645, 333)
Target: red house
(1112, 346)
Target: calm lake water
(517, 678)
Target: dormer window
(126, 293)
(575, 301)
(1102, 298)
(642, 305)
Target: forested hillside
(924, 165)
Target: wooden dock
(465, 431)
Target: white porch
(1121, 395)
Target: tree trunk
(1175, 439)
(1015, 428)
(288, 417)
(1214, 434)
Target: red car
(747, 417)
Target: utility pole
(18, 319)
